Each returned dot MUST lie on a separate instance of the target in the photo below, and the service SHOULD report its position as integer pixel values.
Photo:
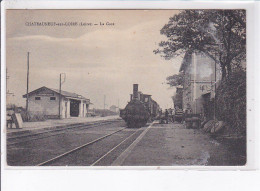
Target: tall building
(201, 74)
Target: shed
(45, 101)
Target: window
(37, 98)
(52, 98)
(146, 99)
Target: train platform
(174, 145)
(57, 123)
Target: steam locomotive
(141, 109)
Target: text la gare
(107, 23)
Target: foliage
(29, 117)
(175, 80)
(177, 99)
(220, 34)
(37, 117)
(26, 116)
(208, 107)
(231, 101)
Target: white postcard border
(253, 132)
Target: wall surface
(199, 79)
(65, 108)
(44, 106)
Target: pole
(7, 77)
(104, 102)
(27, 88)
(215, 86)
(118, 105)
(8, 93)
(60, 98)
(61, 82)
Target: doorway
(74, 108)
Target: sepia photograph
(126, 87)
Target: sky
(98, 59)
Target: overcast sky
(98, 60)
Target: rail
(114, 148)
(60, 132)
(78, 148)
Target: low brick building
(45, 101)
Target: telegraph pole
(8, 93)
(118, 105)
(27, 89)
(104, 102)
(60, 97)
(7, 77)
(60, 92)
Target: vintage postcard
(126, 87)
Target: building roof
(63, 93)
(69, 94)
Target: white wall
(201, 69)
(63, 107)
(44, 106)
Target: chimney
(135, 91)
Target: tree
(231, 102)
(175, 80)
(177, 99)
(220, 34)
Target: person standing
(166, 115)
(171, 115)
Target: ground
(174, 145)
(154, 145)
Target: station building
(201, 76)
(45, 101)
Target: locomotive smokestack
(135, 91)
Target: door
(74, 108)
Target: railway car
(141, 109)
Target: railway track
(55, 132)
(72, 151)
(78, 148)
(115, 147)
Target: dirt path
(173, 145)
